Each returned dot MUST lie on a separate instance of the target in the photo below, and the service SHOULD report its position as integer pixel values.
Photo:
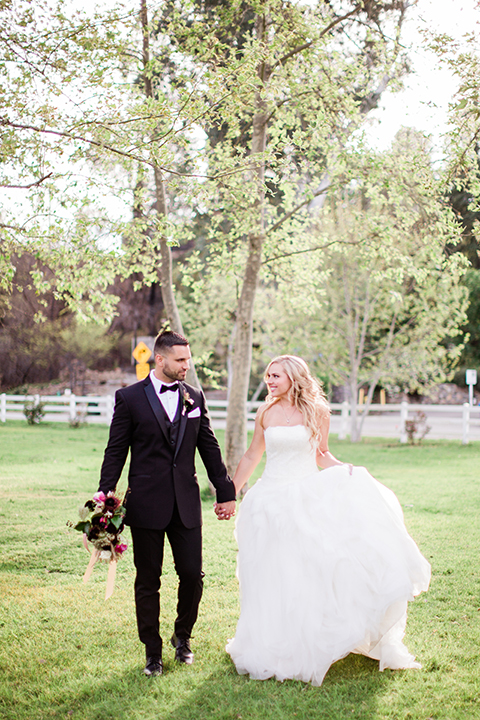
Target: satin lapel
(183, 418)
(157, 408)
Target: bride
(325, 563)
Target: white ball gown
(325, 567)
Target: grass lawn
(66, 653)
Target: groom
(162, 421)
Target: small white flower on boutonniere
(188, 403)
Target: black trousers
(148, 547)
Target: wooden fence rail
(99, 409)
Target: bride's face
(277, 380)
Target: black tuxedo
(163, 495)
(161, 472)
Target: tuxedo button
(172, 441)
(174, 464)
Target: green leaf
(83, 527)
(117, 520)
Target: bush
(417, 426)
(34, 412)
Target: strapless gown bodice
(325, 566)
(290, 455)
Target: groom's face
(173, 363)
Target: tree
(282, 99)
(462, 162)
(385, 301)
(54, 69)
(100, 110)
(299, 80)
(103, 110)
(463, 60)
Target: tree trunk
(236, 432)
(353, 410)
(165, 264)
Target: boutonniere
(188, 403)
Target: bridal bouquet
(102, 522)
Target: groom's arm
(118, 445)
(211, 455)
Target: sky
(429, 88)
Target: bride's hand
(224, 511)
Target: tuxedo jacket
(160, 473)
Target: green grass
(65, 653)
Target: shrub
(34, 412)
(417, 427)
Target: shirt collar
(157, 384)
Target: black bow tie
(169, 388)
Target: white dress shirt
(169, 400)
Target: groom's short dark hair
(167, 339)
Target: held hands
(226, 510)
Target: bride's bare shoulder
(266, 414)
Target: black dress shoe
(154, 666)
(183, 652)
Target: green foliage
(384, 294)
(87, 342)
(463, 59)
(80, 656)
(470, 357)
(204, 70)
(40, 352)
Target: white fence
(460, 422)
(60, 408)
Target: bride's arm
(250, 460)
(325, 459)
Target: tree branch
(70, 136)
(25, 187)
(307, 250)
(324, 32)
(295, 209)
(126, 154)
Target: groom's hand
(226, 510)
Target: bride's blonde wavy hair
(305, 393)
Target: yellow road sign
(141, 353)
(142, 370)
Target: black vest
(172, 426)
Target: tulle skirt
(326, 567)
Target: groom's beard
(172, 374)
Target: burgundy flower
(111, 503)
(94, 532)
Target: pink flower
(119, 549)
(99, 497)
